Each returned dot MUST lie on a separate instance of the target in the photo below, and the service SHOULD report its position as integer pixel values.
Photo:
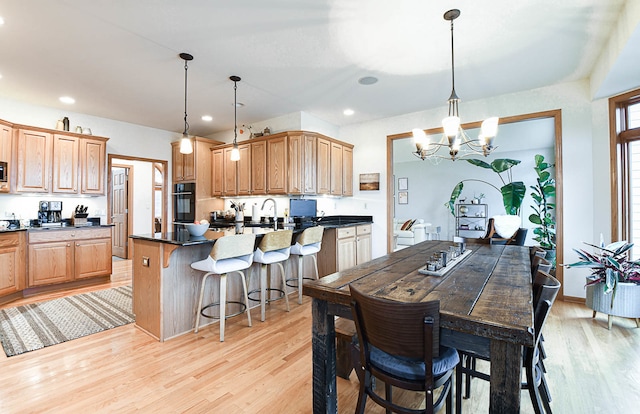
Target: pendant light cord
(235, 111)
(186, 124)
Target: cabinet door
(176, 162)
(92, 166)
(244, 169)
(6, 137)
(34, 161)
(363, 244)
(347, 171)
(336, 169)
(309, 166)
(217, 170)
(259, 168)
(189, 166)
(346, 250)
(50, 263)
(65, 163)
(183, 168)
(230, 183)
(277, 165)
(324, 166)
(92, 258)
(296, 167)
(12, 263)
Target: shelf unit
(471, 220)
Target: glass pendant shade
(490, 127)
(451, 125)
(186, 146)
(235, 153)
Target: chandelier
(455, 141)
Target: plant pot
(626, 303)
(506, 225)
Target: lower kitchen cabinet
(57, 256)
(12, 262)
(343, 248)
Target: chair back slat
(233, 246)
(396, 327)
(310, 235)
(545, 291)
(276, 240)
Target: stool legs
(202, 285)
(223, 305)
(300, 276)
(263, 288)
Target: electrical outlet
(365, 206)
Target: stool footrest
(290, 284)
(243, 308)
(282, 293)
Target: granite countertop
(220, 229)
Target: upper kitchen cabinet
(184, 165)
(197, 167)
(258, 167)
(230, 174)
(92, 165)
(6, 145)
(277, 165)
(217, 172)
(66, 150)
(347, 170)
(337, 169)
(244, 169)
(302, 163)
(33, 169)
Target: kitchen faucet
(275, 213)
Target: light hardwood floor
(267, 368)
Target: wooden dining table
(485, 308)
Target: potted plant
(512, 193)
(543, 196)
(613, 287)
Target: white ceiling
(119, 58)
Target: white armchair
(414, 234)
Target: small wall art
(403, 184)
(370, 182)
(403, 197)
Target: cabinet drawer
(45, 236)
(346, 232)
(10, 239)
(364, 229)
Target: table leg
(323, 345)
(506, 366)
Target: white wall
(142, 203)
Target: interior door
(119, 212)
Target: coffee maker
(50, 213)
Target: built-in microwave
(4, 172)
(184, 203)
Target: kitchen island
(165, 287)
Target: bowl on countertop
(196, 229)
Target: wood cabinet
(343, 248)
(259, 168)
(59, 162)
(277, 165)
(58, 256)
(12, 262)
(6, 146)
(293, 162)
(66, 150)
(183, 165)
(217, 170)
(244, 169)
(33, 169)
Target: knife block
(79, 219)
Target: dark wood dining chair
(399, 344)
(545, 290)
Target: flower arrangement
(610, 266)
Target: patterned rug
(30, 327)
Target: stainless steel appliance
(4, 172)
(50, 213)
(184, 203)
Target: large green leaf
(479, 163)
(503, 164)
(535, 219)
(454, 196)
(512, 196)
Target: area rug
(30, 327)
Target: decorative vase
(626, 303)
(506, 225)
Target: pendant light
(235, 152)
(455, 141)
(186, 146)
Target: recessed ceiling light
(367, 80)
(348, 112)
(67, 100)
(207, 118)
(1, 21)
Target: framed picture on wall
(370, 182)
(403, 197)
(403, 184)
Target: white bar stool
(308, 243)
(273, 250)
(229, 254)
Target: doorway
(146, 199)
